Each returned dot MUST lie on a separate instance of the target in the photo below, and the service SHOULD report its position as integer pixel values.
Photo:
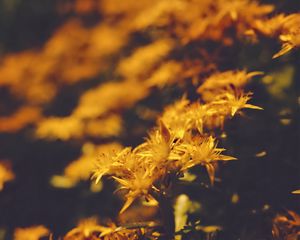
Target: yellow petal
(253, 107)
(226, 158)
(127, 204)
(211, 173)
(285, 48)
(165, 132)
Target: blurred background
(61, 101)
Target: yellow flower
(139, 185)
(111, 162)
(201, 151)
(31, 233)
(174, 117)
(226, 105)
(218, 82)
(290, 34)
(86, 229)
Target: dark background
(264, 184)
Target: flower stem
(167, 216)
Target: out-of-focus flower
(81, 169)
(86, 229)
(6, 173)
(21, 118)
(144, 59)
(284, 27)
(90, 229)
(286, 227)
(61, 128)
(31, 233)
(220, 82)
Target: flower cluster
(132, 50)
(181, 141)
(90, 229)
(287, 226)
